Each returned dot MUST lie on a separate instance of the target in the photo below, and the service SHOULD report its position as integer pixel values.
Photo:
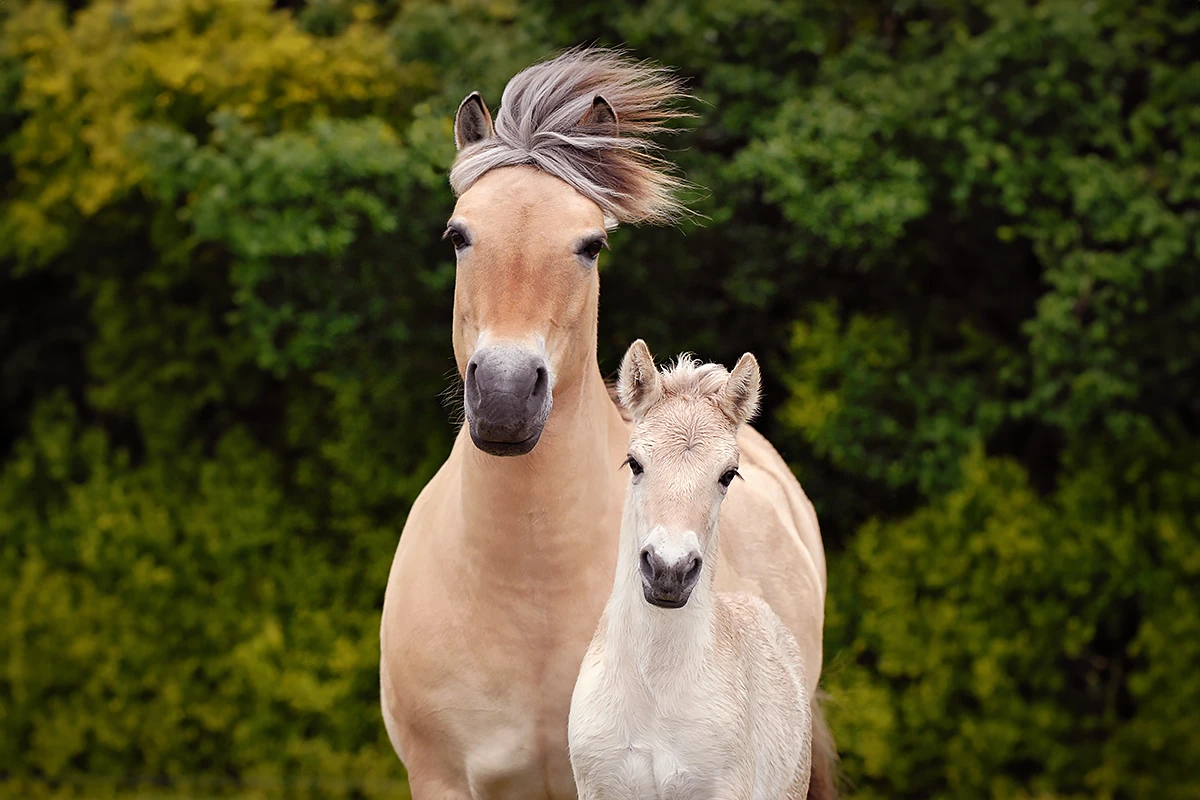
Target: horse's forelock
(538, 125)
(689, 377)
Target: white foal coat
(705, 702)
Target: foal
(686, 692)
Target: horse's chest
(661, 772)
(655, 768)
(491, 701)
(643, 755)
(503, 761)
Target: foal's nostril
(647, 566)
(539, 383)
(693, 571)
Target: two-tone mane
(546, 120)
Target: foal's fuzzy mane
(686, 377)
(690, 377)
(539, 124)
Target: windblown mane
(539, 124)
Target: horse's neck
(663, 646)
(538, 515)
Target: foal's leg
(736, 786)
(588, 793)
(798, 790)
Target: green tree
(963, 237)
(231, 214)
(1012, 187)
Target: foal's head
(683, 455)
(566, 159)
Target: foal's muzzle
(508, 398)
(668, 585)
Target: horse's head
(566, 159)
(683, 455)
(525, 300)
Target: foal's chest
(649, 755)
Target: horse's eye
(456, 238)
(728, 477)
(634, 466)
(591, 250)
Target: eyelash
(591, 250)
(636, 468)
(456, 238)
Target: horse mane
(686, 377)
(615, 395)
(690, 377)
(614, 166)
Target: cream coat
(705, 701)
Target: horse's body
(505, 563)
(686, 692)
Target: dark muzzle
(508, 398)
(668, 585)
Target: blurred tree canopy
(963, 235)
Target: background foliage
(964, 235)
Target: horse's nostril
(539, 383)
(647, 567)
(471, 367)
(694, 570)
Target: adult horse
(508, 555)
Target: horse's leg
(798, 790)
(588, 792)
(386, 702)
(430, 775)
(738, 785)
(427, 782)
(822, 783)
(433, 788)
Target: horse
(506, 559)
(684, 691)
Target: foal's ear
(742, 390)
(473, 122)
(600, 117)
(640, 385)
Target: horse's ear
(640, 385)
(600, 117)
(742, 390)
(473, 122)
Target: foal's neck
(667, 643)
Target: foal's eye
(634, 466)
(591, 250)
(728, 477)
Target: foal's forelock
(544, 122)
(690, 379)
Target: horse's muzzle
(668, 585)
(508, 399)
